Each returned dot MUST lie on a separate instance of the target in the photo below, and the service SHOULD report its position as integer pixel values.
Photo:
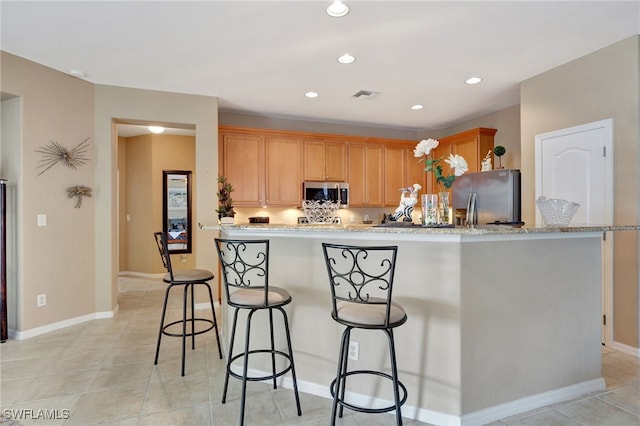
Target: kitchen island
(501, 320)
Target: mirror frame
(166, 175)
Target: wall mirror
(176, 202)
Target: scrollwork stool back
(361, 281)
(245, 274)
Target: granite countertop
(417, 229)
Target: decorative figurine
(407, 202)
(486, 163)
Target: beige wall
(604, 84)
(57, 260)
(122, 204)
(120, 104)
(260, 122)
(147, 156)
(507, 121)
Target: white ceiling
(260, 57)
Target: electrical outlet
(354, 350)
(42, 300)
(352, 218)
(183, 258)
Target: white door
(576, 164)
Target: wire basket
(556, 211)
(320, 212)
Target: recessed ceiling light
(78, 73)
(337, 9)
(311, 94)
(156, 129)
(417, 106)
(346, 59)
(473, 80)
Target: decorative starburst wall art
(55, 153)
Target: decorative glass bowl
(556, 211)
(320, 212)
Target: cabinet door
(357, 176)
(442, 151)
(394, 174)
(325, 161)
(314, 160)
(365, 175)
(468, 148)
(242, 164)
(374, 164)
(336, 161)
(414, 169)
(283, 172)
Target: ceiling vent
(365, 94)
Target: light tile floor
(102, 372)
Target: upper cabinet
(366, 175)
(283, 171)
(401, 170)
(473, 145)
(264, 170)
(241, 160)
(325, 160)
(267, 167)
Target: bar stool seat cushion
(254, 296)
(370, 314)
(189, 276)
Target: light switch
(128, 218)
(42, 220)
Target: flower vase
(429, 209)
(445, 213)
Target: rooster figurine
(408, 200)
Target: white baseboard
(511, 408)
(141, 274)
(480, 417)
(26, 334)
(630, 350)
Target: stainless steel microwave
(332, 191)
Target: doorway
(142, 155)
(576, 164)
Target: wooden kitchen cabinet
(325, 161)
(264, 170)
(394, 174)
(401, 170)
(472, 144)
(366, 175)
(283, 171)
(242, 162)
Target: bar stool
(245, 273)
(361, 280)
(188, 278)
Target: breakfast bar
(502, 320)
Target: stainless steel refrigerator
(491, 197)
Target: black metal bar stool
(361, 280)
(188, 278)
(245, 273)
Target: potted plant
(499, 152)
(225, 202)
